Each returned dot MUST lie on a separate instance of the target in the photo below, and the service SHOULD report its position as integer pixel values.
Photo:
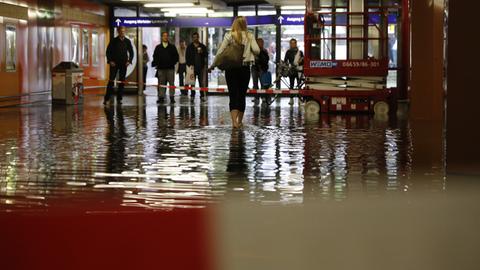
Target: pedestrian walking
(236, 55)
(119, 56)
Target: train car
(346, 58)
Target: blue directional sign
(340, 19)
(142, 22)
(205, 21)
(290, 19)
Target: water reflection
(237, 159)
(158, 157)
(116, 137)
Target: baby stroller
(284, 71)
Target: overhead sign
(142, 22)
(291, 19)
(205, 21)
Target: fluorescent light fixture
(246, 13)
(185, 15)
(195, 15)
(291, 12)
(187, 10)
(222, 14)
(169, 5)
(292, 7)
(266, 12)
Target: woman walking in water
(238, 77)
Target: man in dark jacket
(294, 57)
(165, 57)
(261, 63)
(260, 67)
(197, 56)
(119, 56)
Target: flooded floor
(184, 158)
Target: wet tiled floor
(288, 191)
(187, 154)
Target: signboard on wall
(295, 19)
(205, 21)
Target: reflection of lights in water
(162, 159)
(340, 165)
(391, 159)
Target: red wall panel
(44, 40)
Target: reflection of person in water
(186, 115)
(116, 136)
(237, 165)
(165, 124)
(203, 116)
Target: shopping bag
(266, 79)
(190, 76)
(221, 79)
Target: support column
(235, 11)
(403, 60)
(427, 92)
(256, 27)
(139, 57)
(278, 41)
(463, 99)
(427, 96)
(177, 36)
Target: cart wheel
(312, 107)
(381, 107)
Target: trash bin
(67, 84)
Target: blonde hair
(239, 25)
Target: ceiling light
(169, 5)
(293, 7)
(187, 10)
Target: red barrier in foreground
(136, 239)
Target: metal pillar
(278, 41)
(177, 36)
(403, 62)
(111, 21)
(256, 27)
(139, 57)
(235, 11)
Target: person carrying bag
(231, 57)
(235, 55)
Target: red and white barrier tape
(221, 90)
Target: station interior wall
(43, 39)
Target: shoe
(203, 99)
(291, 101)
(160, 100)
(172, 100)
